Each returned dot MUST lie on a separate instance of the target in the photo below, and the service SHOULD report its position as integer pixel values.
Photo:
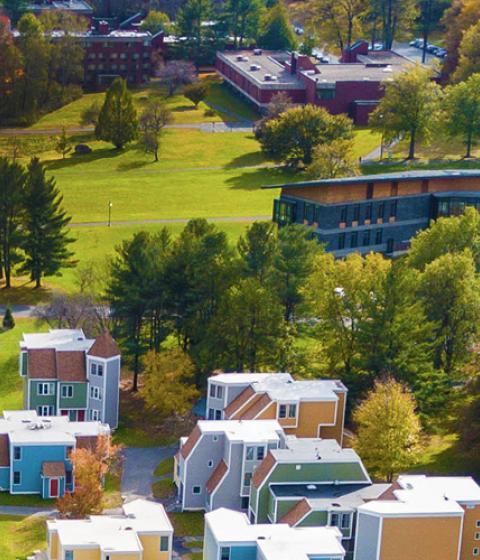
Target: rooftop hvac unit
(244, 58)
(254, 67)
(310, 72)
(239, 58)
(267, 77)
(257, 52)
(274, 78)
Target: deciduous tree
(335, 159)
(176, 73)
(117, 122)
(196, 92)
(410, 100)
(63, 144)
(169, 386)
(469, 54)
(388, 430)
(157, 21)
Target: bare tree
(152, 122)
(175, 74)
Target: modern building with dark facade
(376, 212)
(353, 86)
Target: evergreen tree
(117, 122)
(8, 320)
(45, 237)
(14, 8)
(276, 31)
(12, 185)
(257, 249)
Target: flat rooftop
(243, 430)
(279, 388)
(276, 541)
(66, 5)
(270, 62)
(58, 339)
(415, 175)
(459, 488)
(331, 496)
(24, 426)
(114, 533)
(247, 378)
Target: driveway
(139, 464)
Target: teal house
(35, 452)
(229, 535)
(67, 374)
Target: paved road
(138, 467)
(25, 511)
(224, 219)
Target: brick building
(77, 7)
(376, 212)
(354, 86)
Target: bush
(8, 320)
(210, 112)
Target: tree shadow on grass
(183, 108)
(251, 180)
(245, 160)
(132, 165)
(72, 161)
(23, 293)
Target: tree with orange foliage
(89, 469)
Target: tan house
(422, 518)
(306, 409)
(143, 532)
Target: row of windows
(123, 56)
(17, 452)
(96, 369)
(17, 477)
(46, 389)
(214, 414)
(287, 411)
(356, 213)
(254, 453)
(367, 237)
(455, 207)
(127, 44)
(146, 66)
(164, 547)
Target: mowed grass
(219, 97)
(20, 536)
(10, 380)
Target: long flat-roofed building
(354, 87)
(77, 7)
(376, 212)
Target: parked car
(418, 43)
(440, 52)
(376, 47)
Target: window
(69, 555)
(346, 521)
(394, 188)
(250, 454)
(213, 389)
(476, 551)
(260, 453)
(282, 411)
(369, 190)
(368, 212)
(211, 414)
(219, 392)
(68, 477)
(17, 477)
(45, 389)
(67, 391)
(68, 451)
(96, 393)
(93, 369)
(17, 453)
(343, 214)
(356, 212)
(390, 245)
(378, 237)
(354, 239)
(309, 212)
(292, 411)
(245, 502)
(164, 542)
(196, 490)
(393, 209)
(478, 523)
(366, 238)
(477, 536)
(210, 464)
(341, 241)
(326, 93)
(225, 553)
(45, 410)
(381, 210)
(335, 520)
(95, 415)
(215, 438)
(284, 212)
(247, 479)
(218, 415)
(99, 369)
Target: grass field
(183, 110)
(20, 536)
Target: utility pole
(109, 213)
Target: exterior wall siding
(243, 552)
(470, 529)
(79, 399)
(227, 493)
(4, 478)
(368, 531)
(111, 394)
(315, 519)
(37, 400)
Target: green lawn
(187, 523)
(442, 457)
(164, 467)
(20, 536)
(163, 489)
(25, 500)
(10, 381)
(182, 109)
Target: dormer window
(287, 411)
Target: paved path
(20, 311)
(222, 219)
(139, 464)
(25, 511)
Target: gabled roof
(194, 436)
(4, 451)
(42, 363)
(262, 471)
(239, 401)
(104, 346)
(71, 366)
(297, 513)
(258, 406)
(217, 476)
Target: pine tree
(117, 122)
(277, 32)
(46, 239)
(8, 320)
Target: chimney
(293, 63)
(103, 27)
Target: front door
(54, 488)
(81, 415)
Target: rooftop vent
(310, 72)
(311, 487)
(257, 52)
(336, 505)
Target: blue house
(35, 452)
(229, 535)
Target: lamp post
(109, 213)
